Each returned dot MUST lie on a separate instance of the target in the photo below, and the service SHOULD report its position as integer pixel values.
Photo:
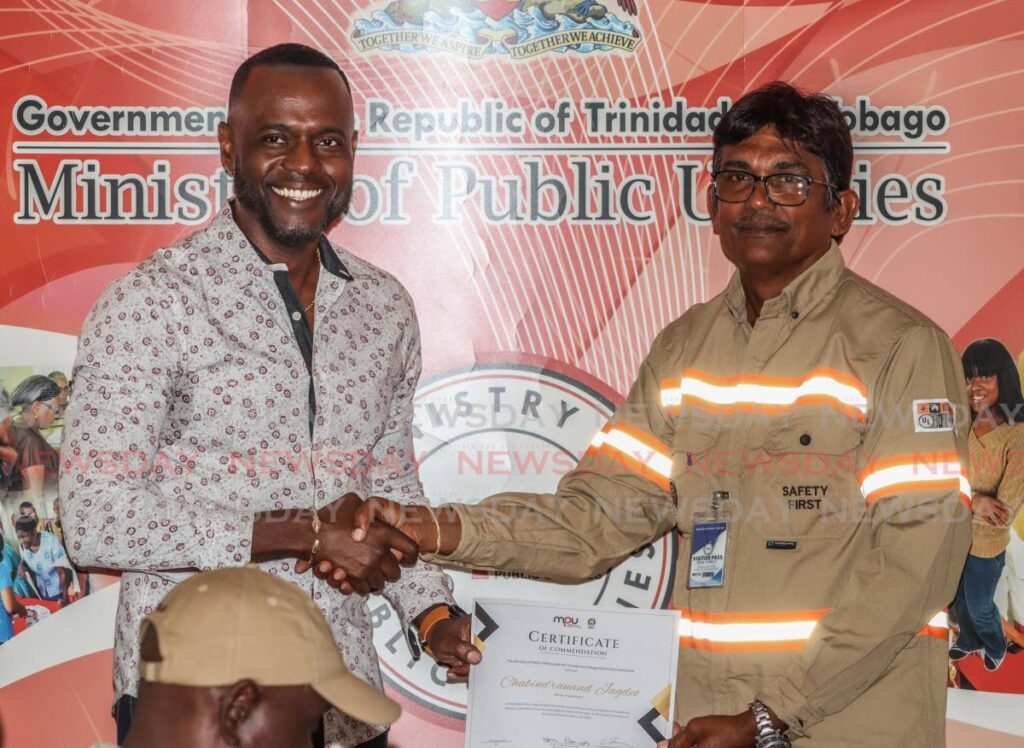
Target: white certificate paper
(556, 676)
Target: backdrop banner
(534, 172)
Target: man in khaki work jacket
(826, 409)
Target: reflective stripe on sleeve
(637, 450)
(937, 627)
(747, 632)
(933, 471)
(773, 394)
(765, 632)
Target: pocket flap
(813, 436)
(696, 436)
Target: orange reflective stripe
(754, 392)
(656, 445)
(635, 449)
(937, 627)
(779, 616)
(922, 459)
(927, 471)
(764, 631)
(747, 632)
(709, 646)
(769, 381)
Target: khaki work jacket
(837, 424)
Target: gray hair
(34, 389)
(5, 403)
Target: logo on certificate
(510, 427)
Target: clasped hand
(714, 731)
(377, 527)
(352, 566)
(371, 526)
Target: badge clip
(708, 545)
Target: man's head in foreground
(237, 657)
(289, 143)
(782, 225)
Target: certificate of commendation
(557, 676)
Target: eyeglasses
(782, 189)
(45, 404)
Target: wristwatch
(767, 735)
(418, 640)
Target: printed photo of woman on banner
(37, 577)
(988, 612)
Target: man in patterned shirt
(231, 388)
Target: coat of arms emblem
(517, 28)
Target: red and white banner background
(533, 172)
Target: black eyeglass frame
(754, 179)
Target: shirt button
(296, 316)
(805, 439)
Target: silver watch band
(767, 735)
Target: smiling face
(983, 393)
(290, 144)
(760, 237)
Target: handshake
(355, 545)
(358, 546)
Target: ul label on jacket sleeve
(707, 557)
(934, 415)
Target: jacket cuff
(789, 705)
(465, 553)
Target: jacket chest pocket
(694, 458)
(804, 484)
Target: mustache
(759, 222)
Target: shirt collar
(802, 293)
(329, 259)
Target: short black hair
(812, 121)
(25, 524)
(283, 54)
(988, 357)
(26, 505)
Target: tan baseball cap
(219, 627)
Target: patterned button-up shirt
(191, 414)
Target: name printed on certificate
(555, 676)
